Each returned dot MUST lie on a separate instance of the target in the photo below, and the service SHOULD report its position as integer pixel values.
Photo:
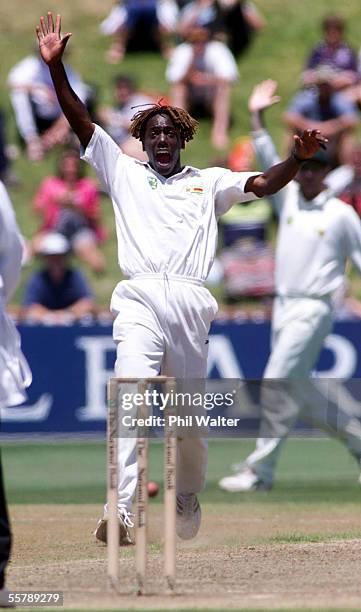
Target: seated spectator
(202, 72)
(68, 203)
(352, 192)
(321, 108)
(56, 294)
(139, 25)
(232, 21)
(334, 52)
(116, 119)
(39, 120)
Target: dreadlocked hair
(182, 120)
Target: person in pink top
(69, 204)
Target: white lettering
(96, 376)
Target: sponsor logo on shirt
(152, 182)
(195, 189)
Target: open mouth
(163, 157)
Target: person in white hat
(57, 293)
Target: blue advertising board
(72, 364)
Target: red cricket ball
(153, 489)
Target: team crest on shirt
(152, 182)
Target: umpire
(15, 375)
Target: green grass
(278, 52)
(312, 472)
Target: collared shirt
(315, 239)
(164, 225)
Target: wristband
(299, 160)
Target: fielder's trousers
(300, 327)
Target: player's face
(311, 180)
(162, 143)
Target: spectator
(56, 293)
(139, 25)
(69, 204)
(334, 52)
(39, 120)
(202, 72)
(116, 119)
(321, 108)
(232, 21)
(352, 193)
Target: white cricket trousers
(299, 329)
(162, 327)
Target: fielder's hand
(309, 143)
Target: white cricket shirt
(315, 239)
(164, 225)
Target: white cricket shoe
(4, 599)
(125, 522)
(188, 515)
(243, 481)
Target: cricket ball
(153, 489)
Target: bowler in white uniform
(166, 223)
(317, 235)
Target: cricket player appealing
(14, 372)
(317, 234)
(166, 223)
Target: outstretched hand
(263, 96)
(51, 44)
(308, 143)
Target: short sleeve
(103, 154)
(353, 236)
(229, 190)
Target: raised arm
(52, 46)
(271, 181)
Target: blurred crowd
(202, 42)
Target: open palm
(308, 143)
(51, 44)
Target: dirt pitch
(237, 561)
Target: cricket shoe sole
(189, 516)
